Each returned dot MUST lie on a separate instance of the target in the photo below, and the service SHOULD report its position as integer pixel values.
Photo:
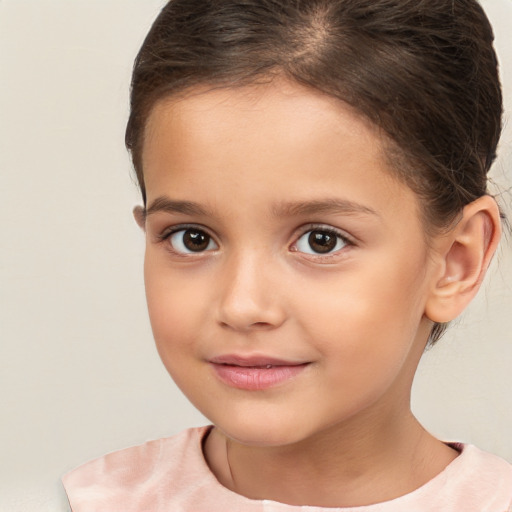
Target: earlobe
(139, 214)
(465, 255)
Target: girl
(313, 175)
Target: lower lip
(255, 379)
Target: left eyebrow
(329, 205)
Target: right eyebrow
(165, 204)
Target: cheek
(371, 313)
(174, 325)
(173, 320)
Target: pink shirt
(171, 475)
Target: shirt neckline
(430, 488)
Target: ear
(139, 214)
(464, 256)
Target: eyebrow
(329, 206)
(167, 205)
(282, 209)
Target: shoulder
(482, 481)
(133, 478)
(481, 463)
(476, 481)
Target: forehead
(274, 139)
(283, 108)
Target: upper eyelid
(167, 232)
(314, 226)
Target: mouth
(255, 373)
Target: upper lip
(255, 360)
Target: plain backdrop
(79, 375)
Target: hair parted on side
(424, 71)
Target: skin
(341, 432)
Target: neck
(349, 466)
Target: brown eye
(321, 241)
(191, 240)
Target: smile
(254, 373)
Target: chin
(263, 433)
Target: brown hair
(424, 71)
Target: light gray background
(79, 375)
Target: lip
(255, 373)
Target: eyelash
(321, 228)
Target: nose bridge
(248, 298)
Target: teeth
(268, 366)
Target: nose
(249, 298)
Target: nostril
(260, 325)
(249, 326)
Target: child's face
(276, 236)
